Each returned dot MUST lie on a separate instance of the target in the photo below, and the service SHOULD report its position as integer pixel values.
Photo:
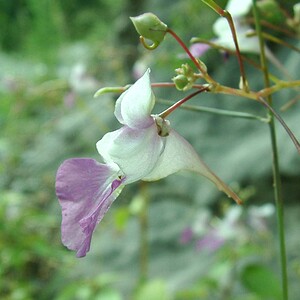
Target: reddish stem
(195, 61)
(169, 110)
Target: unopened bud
(150, 27)
(181, 82)
(185, 70)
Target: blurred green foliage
(54, 56)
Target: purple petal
(198, 49)
(186, 235)
(210, 242)
(85, 189)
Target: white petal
(134, 106)
(179, 155)
(135, 151)
(238, 8)
(246, 44)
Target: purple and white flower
(144, 148)
(237, 225)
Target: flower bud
(181, 82)
(185, 77)
(150, 27)
(185, 70)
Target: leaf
(153, 290)
(261, 280)
(121, 217)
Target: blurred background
(178, 238)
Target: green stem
(227, 15)
(229, 19)
(216, 111)
(170, 109)
(144, 247)
(257, 96)
(276, 172)
(212, 4)
(221, 89)
(280, 42)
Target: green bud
(183, 83)
(185, 77)
(185, 70)
(150, 27)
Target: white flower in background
(80, 81)
(247, 44)
(238, 9)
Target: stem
(149, 47)
(219, 47)
(276, 172)
(274, 39)
(284, 125)
(169, 110)
(227, 15)
(194, 60)
(216, 111)
(267, 104)
(212, 4)
(279, 86)
(144, 247)
(245, 86)
(290, 103)
(221, 89)
(257, 96)
(216, 88)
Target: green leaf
(262, 281)
(153, 290)
(121, 217)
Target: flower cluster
(144, 148)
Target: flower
(222, 30)
(150, 27)
(247, 44)
(237, 225)
(198, 49)
(144, 148)
(85, 189)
